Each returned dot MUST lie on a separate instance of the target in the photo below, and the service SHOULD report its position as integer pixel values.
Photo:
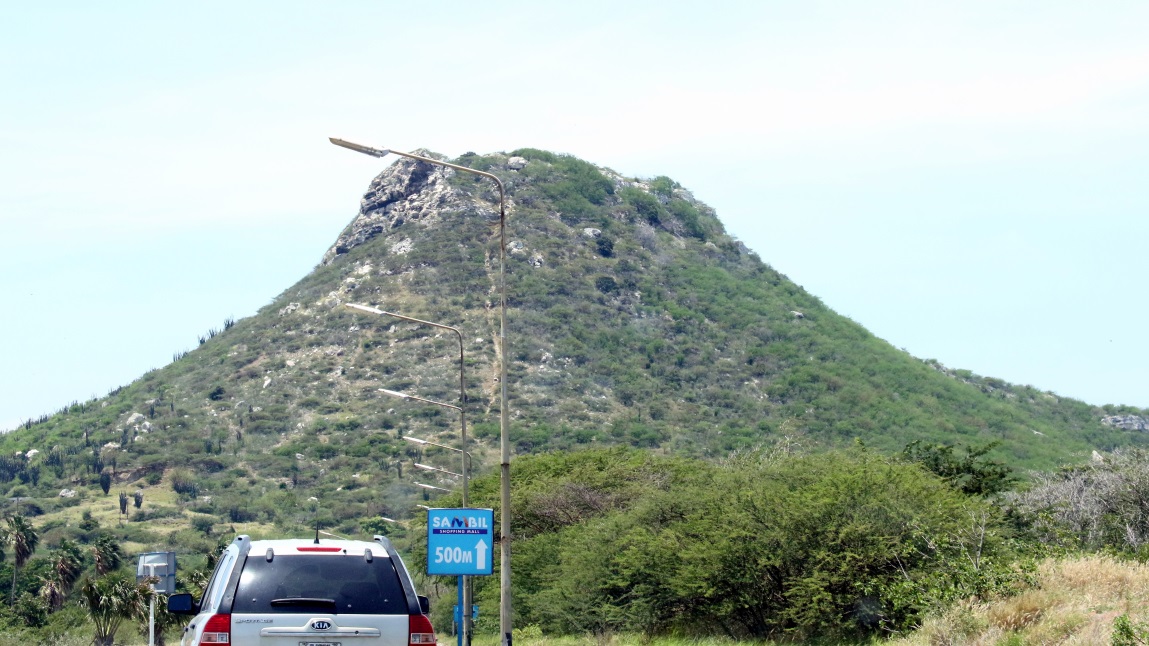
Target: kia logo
(321, 625)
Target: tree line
(75, 586)
(782, 544)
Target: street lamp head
(374, 152)
(427, 467)
(415, 440)
(365, 308)
(395, 393)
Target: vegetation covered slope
(633, 319)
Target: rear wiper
(303, 601)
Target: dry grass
(1075, 602)
(1022, 611)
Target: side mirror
(424, 605)
(182, 604)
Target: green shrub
(203, 524)
(1129, 633)
(327, 451)
(663, 185)
(534, 154)
(836, 545)
(644, 204)
(155, 512)
(313, 402)
(348, 424)
(689, 216)
(183, 482)
(973, 473)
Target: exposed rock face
(407, 190)
(1126, 422)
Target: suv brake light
(217, 630)
(420, 631)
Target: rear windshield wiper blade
(303, 601)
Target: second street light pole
(463, 614)
(504, 441)
(462, 380)
(464, 584)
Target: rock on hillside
(407, 192)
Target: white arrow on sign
(481, 555)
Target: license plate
(320, 644)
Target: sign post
(163, 566)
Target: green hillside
(634, 319)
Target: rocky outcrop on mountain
(406, 191)
(1126, 422)
(410, 191)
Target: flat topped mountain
(634, 318)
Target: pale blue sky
(965, 179)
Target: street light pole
(462, 381)
(504, 441)
(464, 587)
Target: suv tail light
(217, 630)
(420, 631)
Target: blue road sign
(460, 541)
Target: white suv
(307, 593)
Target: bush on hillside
(183, 482)
(974, 473)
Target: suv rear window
(338, 583)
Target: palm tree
(67, 562)
(107, 555)
(110, 600)
(23, 539)
(52, 591)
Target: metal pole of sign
(152, 604)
